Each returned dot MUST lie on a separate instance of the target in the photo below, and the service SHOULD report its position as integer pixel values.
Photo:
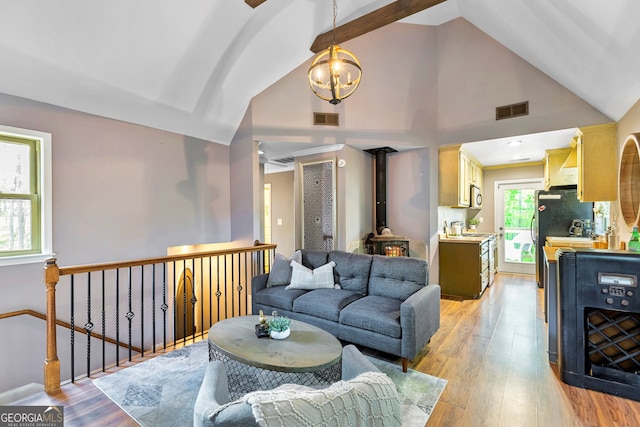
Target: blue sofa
(384, 303)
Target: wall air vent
(513, 110)
(326, 119)
(284, 160)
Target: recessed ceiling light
(514, 143)
(519, 157)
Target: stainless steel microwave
(476, 197)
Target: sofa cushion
(314, 259)
(278, 296)
(397, 277)
(352, 270)
(325, 303)
(280, 273)
(374, 313)
(305, 278)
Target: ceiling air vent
(513, 110)
(325, 119)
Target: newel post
(51, 363)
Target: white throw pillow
(368, 399)
(305, 278)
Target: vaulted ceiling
(193, 67)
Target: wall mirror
(629, 181)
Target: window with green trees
(19, 196)
(519, 209)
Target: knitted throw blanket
(370, 399)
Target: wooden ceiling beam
(254, 3)
(372, 21)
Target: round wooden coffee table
(309, 356)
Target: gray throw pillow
(280, 274)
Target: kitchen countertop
(481, 237)
(570, 242)
(550, 253)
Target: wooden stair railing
(67, 325)
(260, 257)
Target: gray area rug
(163, 390)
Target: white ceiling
(192, 67)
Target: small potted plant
(473, 223)
(279, 327)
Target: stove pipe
(381, 185)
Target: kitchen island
(468, 264)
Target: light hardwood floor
(492, 351)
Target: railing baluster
(103, 320)
(130, 314)
(218, 293)
(175, 301)
(117, 317)
(210, 298)
(164, 306)
(193, 300)
(202, 295)
(184, 300)
(73, 329)
(153, 308)
(247, 262)
(142, 309)
(89, 325)
(227, 280)
(229, 287)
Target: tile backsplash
(450, 215)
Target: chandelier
(335, 73)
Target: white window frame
(46, 206)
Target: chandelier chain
(335, 15)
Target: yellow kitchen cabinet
(475, 177)
(597, 163)
(554, 175)
(457, 170)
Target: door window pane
(519, 208)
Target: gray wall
(422, 87)
(282, 208)
(120, 191)
(246, 189)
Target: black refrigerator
(555, 211)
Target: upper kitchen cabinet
(458, 170)
(554, 174)
(597, 163)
